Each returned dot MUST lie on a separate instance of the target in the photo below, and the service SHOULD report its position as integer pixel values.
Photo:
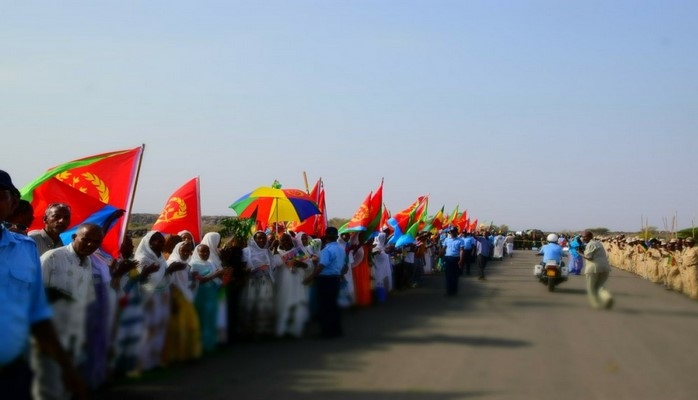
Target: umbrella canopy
(269, 205)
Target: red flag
(109, 178)
(438, 221)
(182, 211)
(385, 216)
(84, 208)
(321, 220)
(473, 226)
(360, 220)
(314, 225)
(454, 216)
(462, 221)
(375, 210)
(411, 214)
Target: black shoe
(481, 278)
(609, 304)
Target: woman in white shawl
(258, 296)
(499, 241)
(314, 246)
(291, 295)
(183, 341)
(187, 237)
(381, 263)
(207, 274)
(303, 241)
(155, 290)
(355, 254)
(213, 241)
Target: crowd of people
(167, 299)
(170, 299)
(670, 262)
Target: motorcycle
(551, 273)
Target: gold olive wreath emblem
(78, 183)
(361, 214)
(176, 208)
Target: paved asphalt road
(503, 338)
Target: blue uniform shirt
(483, 246)
(22, 297)
(453, 246)
(469, 242)
(332, 258)
(551, 251)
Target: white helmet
(552, 238)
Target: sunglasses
(15, 227)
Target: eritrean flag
(375, 215)
(463, 221)
(437, 222)
(367, 218)
(361, 217)
(404, 220)
(314, 225)
(410, 236)
(182, 211)
(98, 189)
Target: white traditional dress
(70, 279)
(291, 295)
(347, 296)
(156, 304)
(183, 340)
(213, 241)
(498, 252)
(206, 300)
(381, 263)
(258, 295)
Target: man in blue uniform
(333, 264)
(453, 253)
(24, 310)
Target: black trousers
(329, 313)
(16, 380)
(467, 261)
(482, 263)
(451, 272)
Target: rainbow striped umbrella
(268, 205)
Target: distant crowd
(672, 263)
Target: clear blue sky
(548, 114)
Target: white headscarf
(146, 256)
(309, 250)
(196, 259)
(357, 254)
(379, 242)
(181, 278)
(182, 232)
(298, 241)
(213, 240)
(316, 245)
(256, 256)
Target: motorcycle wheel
(551, 284)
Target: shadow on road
(307, 368)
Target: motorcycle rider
(551, 251)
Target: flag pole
(133, 195)
(198, 203)
(305, 179)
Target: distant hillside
(140, 224)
